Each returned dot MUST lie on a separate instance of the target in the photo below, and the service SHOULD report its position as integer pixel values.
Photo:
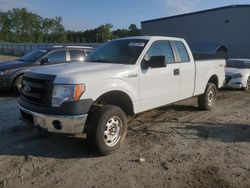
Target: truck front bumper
(54, 123)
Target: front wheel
(107, 129)
(208, 99)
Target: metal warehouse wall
(229, 26)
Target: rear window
(182, 51)
(76, 55)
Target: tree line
(22, 26)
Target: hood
(75, 72)
(12, 64)
(75, 68)
(232, 71)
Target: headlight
(237, 76)
(4, 73)
(63, 93)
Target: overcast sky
(88, 14)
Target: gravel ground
(182, 147)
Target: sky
(88, 14)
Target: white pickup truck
(119, 79)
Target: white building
(228, 26)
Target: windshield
(238, 64)
(33, 55)
(124, 51)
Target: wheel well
(214, 80)
(15, 78)
(117, 98)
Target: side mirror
(155, 62)
(45, 60)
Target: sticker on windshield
(44, 51)
(137, 44)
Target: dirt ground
(182, 147)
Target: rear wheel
(107, 129)
(208, 99)
(17, 85)
(248, 85)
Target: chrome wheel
(112, 131)
(211, 97)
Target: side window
(57, 56)
(76, 55)
(161, 48)
(182, 51)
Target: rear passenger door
(187, 70)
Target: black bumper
(68, 108)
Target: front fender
(114, 84)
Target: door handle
(176, 72)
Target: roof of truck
(151, 37)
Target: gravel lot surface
(182, 147)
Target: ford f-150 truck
(119, 79)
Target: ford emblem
(27, 89)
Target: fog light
(57, 125)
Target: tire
(17, 85)
(107, 129)
(248, 85)
(208, 99)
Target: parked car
(121, 78)
(11, 72)
(238, 74)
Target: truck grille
(37, 88)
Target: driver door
(159, 86)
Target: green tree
(20, 25)
(5, 31)
(133, 30)
(57, 31)
(104, 33)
